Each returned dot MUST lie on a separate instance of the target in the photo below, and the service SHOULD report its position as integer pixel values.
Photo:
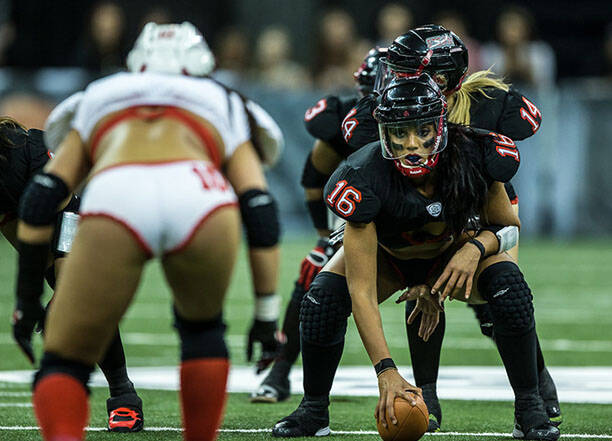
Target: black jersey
(25, 155)
(324, 121)
(367, 188)
(508, 113)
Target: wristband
(478, 245)
(267, 308)
(384, 365)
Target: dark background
(49, 32)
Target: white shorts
(161, 204)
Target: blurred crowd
(270, 56)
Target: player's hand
(267, 335)
(459, 272)
(25, 318)
(391, 385)
(428, 305)
(314, 262)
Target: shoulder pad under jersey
(501, 157)
(349, 195)
(359, 126)
(520, 118)
(59, 122)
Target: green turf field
(573, 297)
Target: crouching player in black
(407, 200)
(23, 153)
(323, 121)
(481, 101)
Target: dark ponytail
(460, 184)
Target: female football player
(481, 101)
(149, 146)
(23, 154)
(323, 122)
(407, 200)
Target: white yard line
(238, 341)
(15, 404)
(334, 432)
(574, 384)
(15, 394)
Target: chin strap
(419, 170)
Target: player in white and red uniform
(138, 141)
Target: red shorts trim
(165, 112)
(139, 239)
(514, 201)
(180, 247)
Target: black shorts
(412, 272)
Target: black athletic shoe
(311, 418)
(531, 421)
(125, 413)
(546, 432)
(430, 397)
(548, 392)
(274, 389)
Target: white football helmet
(173, 49)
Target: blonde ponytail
(459, 102)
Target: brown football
(411, 421)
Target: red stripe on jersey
(164, 112)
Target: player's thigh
(387, 280)
(94, 288)
(475, 295)
(199, 274)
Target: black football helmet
(430, 48)
(365, 76)
(412, 107)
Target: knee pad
(503, 286)
(40, 199)
(484, 317)
(201, 339)
(54, 364)
(325, 310)
(260, 218)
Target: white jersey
(204, 97)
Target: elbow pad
(260, 218)
(41, 198)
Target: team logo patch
(439, 41)
(434, 209)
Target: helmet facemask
(412, 124)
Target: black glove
(25, 318)
(264, 332)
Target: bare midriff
(151, 134)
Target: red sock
(203, 382)
(60, 404)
